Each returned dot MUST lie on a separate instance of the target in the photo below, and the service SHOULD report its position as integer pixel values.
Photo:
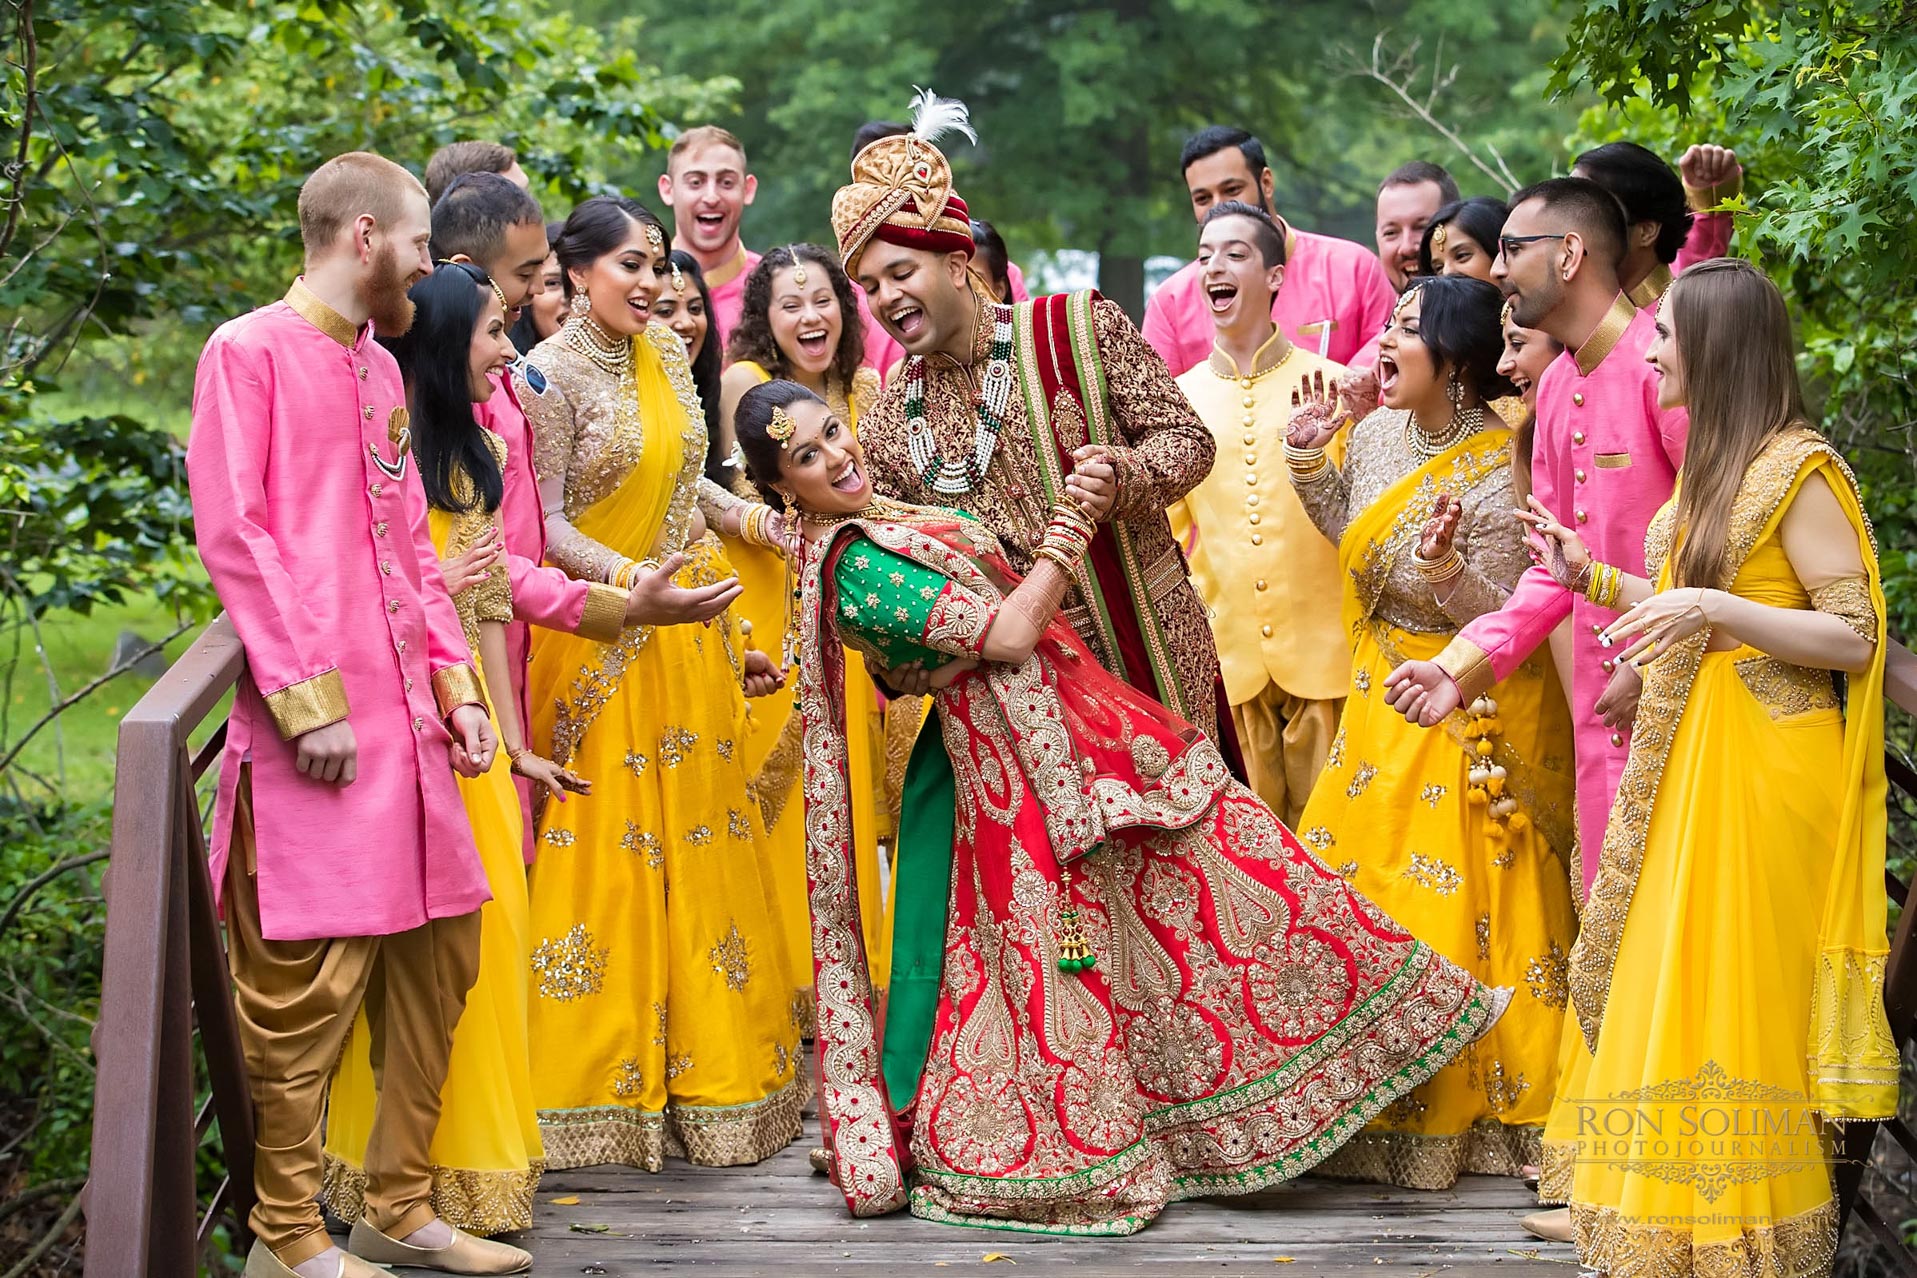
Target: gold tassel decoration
(1074, 951)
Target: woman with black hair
(1462, 239)
(1122, 980)
(800, 322)
(1463, 834)
(685, 307)
(486, 1151)
(662, 1009)
(545, 310)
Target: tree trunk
(1121, 277)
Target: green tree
(150, 160)
(1817, 98)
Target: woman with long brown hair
(1728, 977)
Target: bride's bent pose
(1148, 989)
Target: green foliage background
(150, 154)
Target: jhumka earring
(581, 303)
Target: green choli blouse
(885, 601)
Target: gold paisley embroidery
(730, 958)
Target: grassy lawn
(79, 747)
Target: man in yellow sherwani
(1268, 578)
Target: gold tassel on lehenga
(1074, 951)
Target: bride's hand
(1561, 551)
(951, 670)
(1315, 416)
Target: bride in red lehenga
(1118, 979)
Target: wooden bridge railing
(165, 976)
(165, 979)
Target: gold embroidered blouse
(1490, 539)
(492, 598)
(586, 439)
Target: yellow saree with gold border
(1461, 833)
(663, 1019)
(1729, 981)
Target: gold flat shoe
(465, 1254)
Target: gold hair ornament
(656, 238)
(1437, 240)
(678, 279)
(780, 427)
(1509, 309)
(798, 265)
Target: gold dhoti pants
(1285, 740)
(296, 1002)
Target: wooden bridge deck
(779, 1218)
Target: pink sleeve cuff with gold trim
(456, 686)
(604, 616)
(299, 708)
(1469, 666)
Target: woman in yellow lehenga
(486, 1151)
(1738, 912)
(662, 1016)
(799, 321)
(1462, 834)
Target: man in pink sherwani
(1605, 459)
(1336, 296)
(1672, 218)
(348, 869)
(496, 225)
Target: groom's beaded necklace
(949, 476)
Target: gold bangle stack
(1306, 463)
(1604, 585)
(1067, 536)
(514, 755)
(628, 572)
(753, 522)
(1440, 570)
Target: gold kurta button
(367, 412)
(1258, 539)
(419, 721)
(1577, 437)
(400, 646)
(1252, 518)
(1617, 739)
(1597, 627)
(1609, 665)
(1261, 583)
(392, 605)
(409, 685)
(1251, 499)
(1266, 631)
(1580, 475)
(1578, 398)
(1244, 383)
(376, 490)
(386, 566)
(362, 372)
(1583, 518)
(1250, 439)
(379, 529)
(1249, 402)
(1251, 459)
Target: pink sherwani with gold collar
(1604, 460)
(312, 526)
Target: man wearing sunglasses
(1604, 460)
